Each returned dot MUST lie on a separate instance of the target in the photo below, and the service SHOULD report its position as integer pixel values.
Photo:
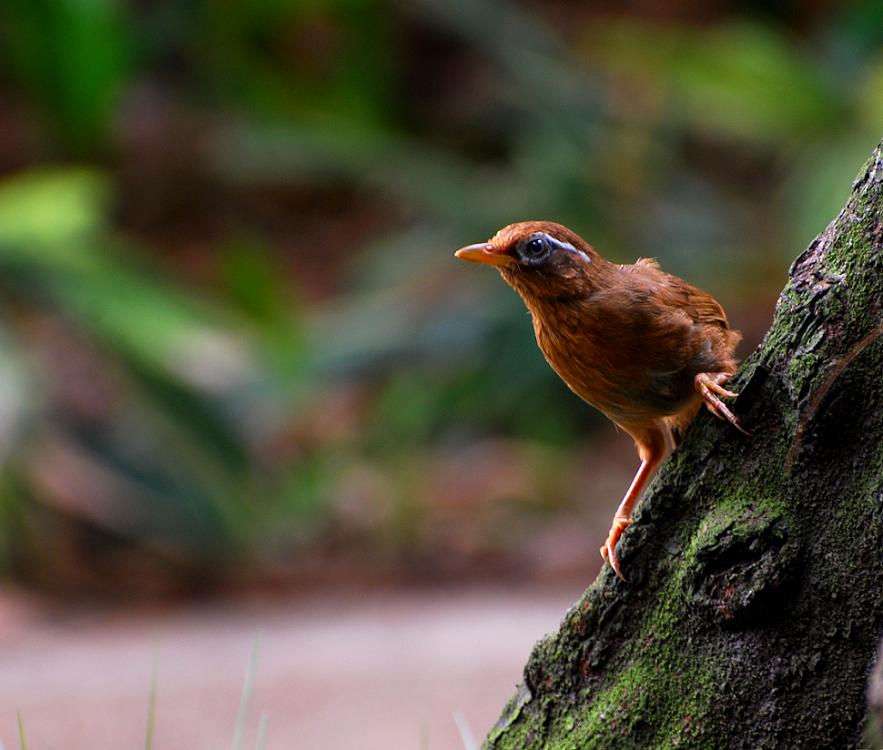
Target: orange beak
(484, 252)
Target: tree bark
(754, 600)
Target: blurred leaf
(536, 76)
(861, 22)
(749, 80)
(143, 319)
(870, 95)
(166, 494)
(434, 182)
(44, 210)
(258, 288)
(17, 392)
(49, 239)
(72, 54)
(325, 61)
(821, 182)
(196, 418)
(738, 79)
(253, 281)
(183, 461)
(407, 411)
(13, 521)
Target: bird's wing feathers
(704, 308)
(649, 262)
(674, 292)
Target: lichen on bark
(754, 599)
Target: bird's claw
(608, 551)
(710, 387)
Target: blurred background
(237, 357)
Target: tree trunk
(754, 600)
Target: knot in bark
(739, 563)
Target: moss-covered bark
(754, 600)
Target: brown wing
(678, 331)
(714, 342)
(702, 307)
(675, 292)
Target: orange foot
(608, 551)
(710, 387)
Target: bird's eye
(535, 249)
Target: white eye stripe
(569, 248)
(543, 243)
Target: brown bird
(644, 347)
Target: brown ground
(365, 671)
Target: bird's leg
(653, 447)
(710, 387)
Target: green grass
(21, 732)
(466, 734)
(151, 706)
(245, 699)
(241, 716)
(465, 730)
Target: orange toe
(608, 551)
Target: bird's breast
(614, 369)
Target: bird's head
(539, 259)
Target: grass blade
(465, 730)
(262, 732)
(245, 698)
(21, 732)
(151, 706)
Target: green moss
(659, 700)
(802, 369)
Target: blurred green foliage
(234, 330)
(73, 58)
(173, 457)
